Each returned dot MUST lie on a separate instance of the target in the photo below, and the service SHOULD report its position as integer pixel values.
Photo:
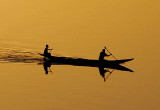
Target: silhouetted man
(102, 55)
(46, 54)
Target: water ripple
(19, 55)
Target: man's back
(45, 51)
(102, 55)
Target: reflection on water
(79, 28)
(19, 55)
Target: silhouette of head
(46, 46)
(103, 50)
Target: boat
(113, 64)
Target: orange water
(129, 29)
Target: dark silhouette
(46, 65)
(86, 62)
(102, 55)
(113, 64)
(108, 75)
(46, 53)
(102, 64)
(103, 71)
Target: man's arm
(108, 55)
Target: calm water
(130, 29)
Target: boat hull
(113, 64)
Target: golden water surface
(81, 28)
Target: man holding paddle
(46, 53)
(102, 55)
(101, 68)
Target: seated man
(102, 55)
(46, 54)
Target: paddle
(109, 75)
(50, 70)
(110, 52)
